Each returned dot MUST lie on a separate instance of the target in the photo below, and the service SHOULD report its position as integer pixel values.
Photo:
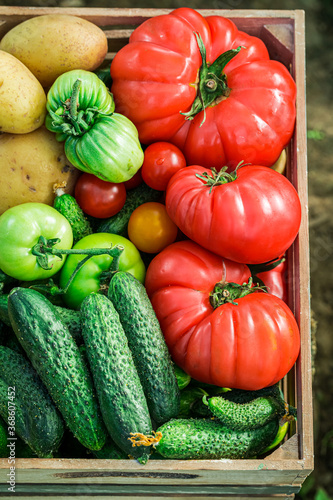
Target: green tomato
(88, 278)
(90, 97)
(110, 149)
(97, 140)
(20, 229)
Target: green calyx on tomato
(230, 292)
(216, 178)
(92, 273)
(212, 86)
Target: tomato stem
(51, 288)
(45, 247)
(212, 86)
(224, 292)
(69, 120)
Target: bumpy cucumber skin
(37, 421)
(71, 318)
(146, 341)
(120, 394)
(4, 316)
(67, 205)
(246, 416)
(117, 224)
(57, 359)
(243, 396)
(208, 439)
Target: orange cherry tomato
(150, 228)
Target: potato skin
(22, 97)
(30, 164)
(52, 44)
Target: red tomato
(252, 219)
(99, 198)
(161, 161)
(249, 344)
(275, 280)
(150, 228)
(220, 101)
(135, 181)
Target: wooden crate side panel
(176, 472)
(302, 271)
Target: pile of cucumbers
(103, 377)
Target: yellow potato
(52, 44)
(30, 164)
(22, 97)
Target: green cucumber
(67, 205)
(71, 318)
(26, 405)
(117, 224)
(147, 343)
(208, 439)
(246, 416)
(3, 439)
(120, 394)
(57, 359)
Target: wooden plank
(147, 490)
(302, 279)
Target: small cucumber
(67, 205)
(207, 439)
(244, 396)
(146, 341)
(57, 359)
(246, 416)
(36, 420)
(117, 224)
(120, 394)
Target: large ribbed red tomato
(251, 215)
(248, 343)
(207, 87)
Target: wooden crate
(281, 474)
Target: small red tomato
(161, 161)
(150, 228)
(134, 181)
(98, 198)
